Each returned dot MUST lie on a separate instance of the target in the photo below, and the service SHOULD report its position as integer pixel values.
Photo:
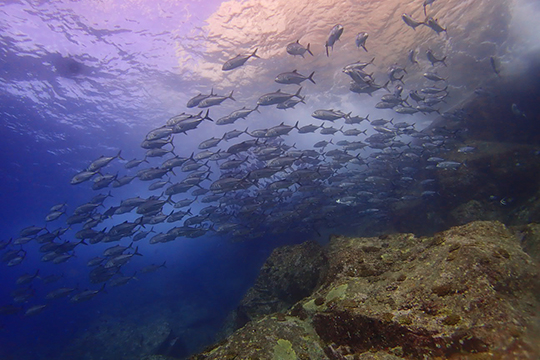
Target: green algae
(283, 351)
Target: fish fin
(309, 51)
(310, 77)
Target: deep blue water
(82, 80)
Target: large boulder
(469, 292)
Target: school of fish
(252, 182)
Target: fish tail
(230, 96)
(255, 54)
(206, 117)
(310, 77)
(309, 51)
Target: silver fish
(434, 25)
(411, 22)
(237, 61)
(215, 100)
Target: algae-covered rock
(288, 275)
(269, 338)
(469, 292)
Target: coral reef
(470, 292)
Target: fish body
(434, 25)
(411, 22)
(195, 101)
(433, 76)
(276, 98)
(215, 100)
(334, 36)
(293, 77)
(102, 162)
(412, 56)
(235, 62)
(433, 59)
(83, 176)
(296, 48)
(495, 65)
(329, 115)
(361, 40)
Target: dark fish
(296, 49)
(495, 65)
(361, 40)
(293, 77)
(433, 60)
(334, 36)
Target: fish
(293, 77)
(86, 295)
(410, 21)
(276, 97)
(103, 161)
(412, 56)
(210, 143)
(60, 293)
(517, 112)
(361, 40)
(449, 165)
(83, 176)
(34, 310)
(54, 215)
(122, 280)
(280, 130)
(215, 100)
(296, 48)
(134, 163)
(433, 76)
(235, 62)
(406, 110)
(495, 65)
(433, 59)
(26, 279)
(359, 65)
(121, 260)
(152, 268)
(334, 36)
(434, 25)
(426, 3)
(194, 101)
(329, 115)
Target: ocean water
(85, 79)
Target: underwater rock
(530, 240)
(499, 176)
(288, 275)
(469, 292)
